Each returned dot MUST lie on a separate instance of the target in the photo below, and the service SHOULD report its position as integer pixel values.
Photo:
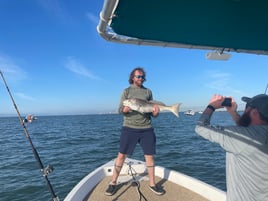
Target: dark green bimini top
(224, 25)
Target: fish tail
(175, 109)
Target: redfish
(144, 106)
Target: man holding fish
(137, 127)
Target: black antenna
(45, 171)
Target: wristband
(211, 107)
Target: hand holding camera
(227, 102)
(219, 101)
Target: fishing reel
(47, 170)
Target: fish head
(131, 103)
(128, 102)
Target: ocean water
(76, 145)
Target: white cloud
(24, 96)
(221, 82)
(73, 65)
(13, 71)
(53, 6)
(92, 18)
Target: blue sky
(55, 62)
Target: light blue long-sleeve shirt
(246, 158)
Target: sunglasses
(139, 76)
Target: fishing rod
(44, 170)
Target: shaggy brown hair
(133, 73)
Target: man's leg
(118, 166)
(112, 188)
(151, 173)
(149, 159)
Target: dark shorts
(131, 136)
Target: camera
(227, 102)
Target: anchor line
(136, 183)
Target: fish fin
(157, 102)
(175, 109)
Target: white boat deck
(128, 192)
(177, 186)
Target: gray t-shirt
(135, 119)
(246, 158)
